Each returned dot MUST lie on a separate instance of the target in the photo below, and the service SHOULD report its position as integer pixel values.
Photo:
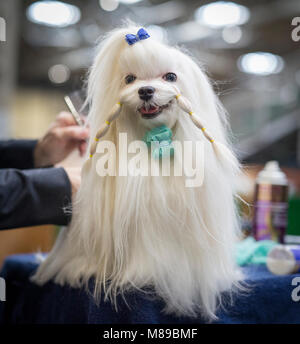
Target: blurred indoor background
(247, 48)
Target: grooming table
(268, 300)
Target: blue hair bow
(141, 34)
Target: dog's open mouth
(151, 111)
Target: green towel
(250, 251)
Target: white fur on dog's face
(149, 71)
(163, 97)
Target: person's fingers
(84, 121)
(82, 147)
(72, 133)
(65, 118)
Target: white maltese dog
(135, 231)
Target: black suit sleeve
(33, 197)
(17, 154)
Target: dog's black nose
(146, 92)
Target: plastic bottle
(270, 204)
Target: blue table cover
(269, 300)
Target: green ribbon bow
(161, 139)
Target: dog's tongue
(152, 109)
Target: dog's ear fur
(206, 106)
(102, 80)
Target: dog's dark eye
(129, 79)
(172, 77)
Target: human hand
(74, 174)
(62, 137)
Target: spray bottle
(270, 204)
